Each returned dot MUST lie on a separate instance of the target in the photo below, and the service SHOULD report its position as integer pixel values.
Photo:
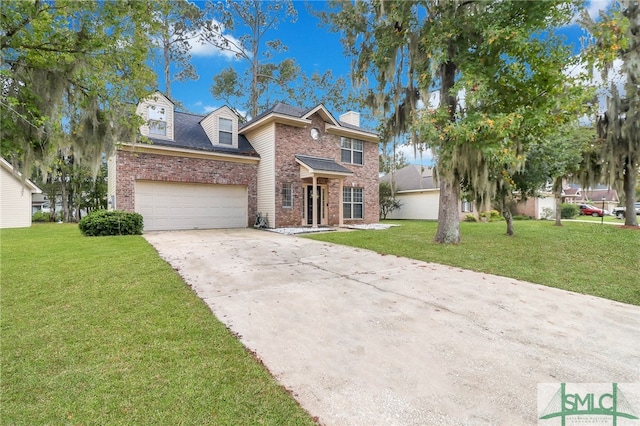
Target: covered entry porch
(317, 176)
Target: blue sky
(314, 48)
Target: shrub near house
(103, 223)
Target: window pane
(357, 145)
(345, 143)
(346, 212)
(287, 195)
(157, 128)
(345, 156)
(225, 138)
(357, 195)
(226, 125)
(357, 211)
(346, 195)
(157, 113)
(357, 157)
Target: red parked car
(589, 210)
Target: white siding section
(263, 141)
(111, 182)
(417, 205)
(210, 125)
(15, 201)
(160, 102)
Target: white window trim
(348, 206)
(352, 150)
(230, 132)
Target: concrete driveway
(365, 339)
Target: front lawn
(100, 330)
(602, 260)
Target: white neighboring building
(15, 197)
(418, 194)
(419, 197)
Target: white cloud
(595, 6)
(415, 155)
(208, 108)
(200, 48)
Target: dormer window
(157, 121)
(225, 131)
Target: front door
(321, 193)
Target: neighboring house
(541, 207)
(599, 197)
(418, 193)
(38, 202)
(596, 197)
(213, 172)
(15, 197)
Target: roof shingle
(188, 133)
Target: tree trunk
(557, 193)
(558, 221)
(508, 217)
(64, 194)
(629, 186)
(448, 212)
(448, 216)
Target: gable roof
(318, 164)
(412, 177)
(188, 133)
(18, 176)
(301, 117)
(599, 194)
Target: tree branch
(4, 41)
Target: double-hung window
(157, 121)
(225, 131)
(467, 206)
(352, 203)
(352, 151)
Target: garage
(173, 205)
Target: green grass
(601, 260)
(607, 219)
(101, 331)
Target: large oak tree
(70, 76)
(616, 37)
(476, 81)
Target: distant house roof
(571, 192)
(18, 176)
(188, 133)
(599, 194)
(412, 177)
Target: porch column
(340, 203)
(314, 202)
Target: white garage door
(166, 206)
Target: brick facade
(132, 166)
(294, 140)
(163, 165)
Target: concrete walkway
(365, 339)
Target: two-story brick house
(213, 172)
